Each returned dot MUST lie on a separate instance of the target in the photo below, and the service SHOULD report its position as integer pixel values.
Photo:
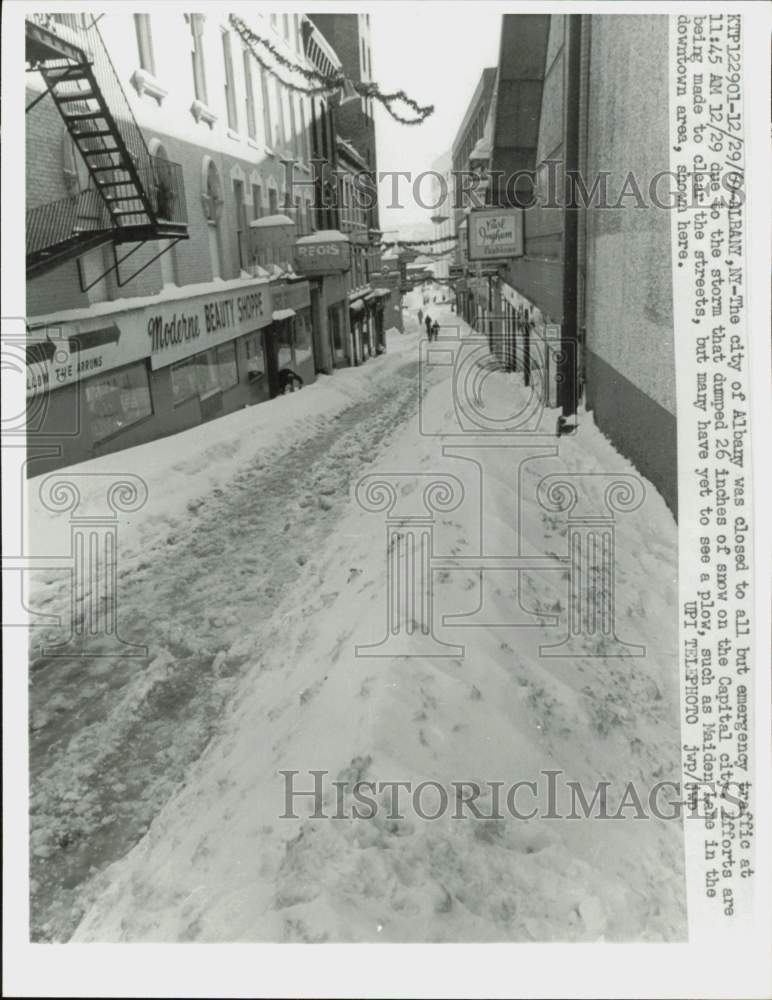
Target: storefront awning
(279, 314)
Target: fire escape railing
(83, 31)
(132, 195)
(58, 221)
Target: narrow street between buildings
(252, 574)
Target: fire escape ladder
(142, 197)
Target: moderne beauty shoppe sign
(495, 233)
(165, 331)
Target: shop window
(183, 381)
(227, 369)
(117, 400)
(303, 342)
(205, 373)
(255, 356)
(273, 201)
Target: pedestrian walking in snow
(420, 315)
(428, 324)
(435, 331)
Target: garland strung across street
(420, 243)
(321, 83)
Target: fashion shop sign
(495, 233)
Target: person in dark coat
(428, 324)
(435, 331)
(420, 315)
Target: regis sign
(325, 252)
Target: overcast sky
(435, 53)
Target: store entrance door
(271, 359)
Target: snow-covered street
(251, 574)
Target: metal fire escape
(133, 197)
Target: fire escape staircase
(132, 196)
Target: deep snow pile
(218, 864)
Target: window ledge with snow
(145, 83)
(202, 113)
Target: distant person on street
(435, 331)
(420, 315)
(428, 324)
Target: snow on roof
(279, 314)
(269, 221)
(323, 236)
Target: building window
(230, 84)
(298, 35)
(274, 21)
(118, 400)
(266, 107)
(273, 201)
(283, 124)
(249, 87)
(257, 201)
(212, 201)
(295, 139)
(286, 26)
(241, 224)
(144, 42)
(197, 56)
(299, 224)
(305, 150)
(255, 355)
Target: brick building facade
(217, 122)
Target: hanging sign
(495, 233)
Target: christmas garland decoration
(321, 83)
(421, 243)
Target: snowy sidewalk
(218, 864)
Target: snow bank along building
(578, 93)
(178, 255)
